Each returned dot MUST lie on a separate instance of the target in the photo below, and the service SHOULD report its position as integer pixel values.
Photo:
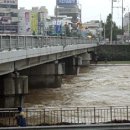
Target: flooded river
(94, 86)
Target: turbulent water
(94, 86)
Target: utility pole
(111, 22)
(128, 24)
(122, 18)
(122, 21)
(104, 32)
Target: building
(57, 25)
(24, 26)
(126, 27)
(126, 24)
(42, 20)
(94, 28)
(33, 22)
(69, 8)
(8, 16)
(37, 22)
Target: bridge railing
(24, 42)
(60, 116)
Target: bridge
(38, 61)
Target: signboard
(58, 22)
(8, 1)
(34, 23)
(27, 21)
(66, 2)
(58, 29)
(68, 10)
(5, 20)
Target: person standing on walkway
(20, 118)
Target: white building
(33, 21)
(126, 24)
(94, 27)
(24, 18)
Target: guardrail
(75, 127)
(67, 116)
(23, 42)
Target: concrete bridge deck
(20, 52)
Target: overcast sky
(91, 9)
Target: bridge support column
(86, 58)
(72, 65)
(46, 75)
(13, 88)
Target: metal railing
(9, 42)
(63, 116)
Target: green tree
(116, 30)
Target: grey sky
(91, 9)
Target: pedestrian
(20, 118)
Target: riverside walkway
(75, 127)
(67, 116)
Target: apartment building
(70, 8)
(24, 26)
(8, 16)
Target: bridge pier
(12, 90)
(72, 65)
(86, 58)
(45, 76)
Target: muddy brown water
(98, 86)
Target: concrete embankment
(113, 52)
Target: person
(20, 118)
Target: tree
(116, 30)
